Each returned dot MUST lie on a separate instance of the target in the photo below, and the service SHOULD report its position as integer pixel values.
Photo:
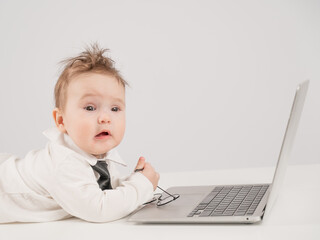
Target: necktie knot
(104, 181)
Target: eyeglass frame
(158, 199)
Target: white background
(211, 82)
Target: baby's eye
(115, 109)
(90, 108)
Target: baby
(75, 174)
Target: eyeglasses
(163, 200)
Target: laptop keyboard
(230, 201)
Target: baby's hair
(92, 60)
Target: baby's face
(94, 114)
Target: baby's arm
(148, 171)
(75, 189)
(142, 166)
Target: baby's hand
(148, 171)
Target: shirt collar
(54, 135)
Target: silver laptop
(228, 203)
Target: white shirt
(58, 182)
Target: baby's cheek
(84, 131)
(121, 130)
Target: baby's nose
(104, 118)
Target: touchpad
(178, 208)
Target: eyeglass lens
(166, 200)
(163, 200)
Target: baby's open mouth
(102, 134)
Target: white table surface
(301, 192)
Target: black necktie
(104, 181)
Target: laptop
(247, 203)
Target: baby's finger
(140, 164)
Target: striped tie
(104, 181)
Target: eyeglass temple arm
(141, 169)
(166, 192)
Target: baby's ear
(58, 119)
